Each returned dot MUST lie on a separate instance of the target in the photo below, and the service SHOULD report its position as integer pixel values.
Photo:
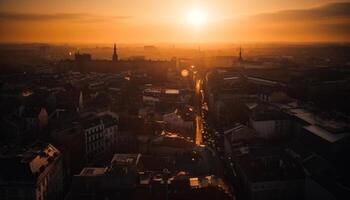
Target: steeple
(115, 55)
(240, 59)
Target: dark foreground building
(32, 173)
(122, 179)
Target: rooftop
(328, 129)
(263, 112)
(108, 121)
(126, 159)
(239, 132)
(89, 171)
(266, 164)
(326, 135)
(27, 163)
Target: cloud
(81, 17)
(328, 22)
(324, 12)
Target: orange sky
(153, 21)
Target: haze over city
(174, 21)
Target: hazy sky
(148, 21)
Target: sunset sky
(174, 21)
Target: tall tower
(115, 55)
(240, 58)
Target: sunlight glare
(196, 17)
(184, 73)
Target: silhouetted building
(31, 173)
(84, 63)
(119, 179)
(240, 58)
(123, 180)
(82, 57)
(115, 55)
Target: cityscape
(174, 100)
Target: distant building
(85, 63)
(82, 57)
(33, 173)
(150, 48)
(115, 55)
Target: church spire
(240, 58)
(115, 55)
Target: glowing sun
(184, 73)
(196, 17)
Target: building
(269, 122)
(169, 144)
(152, 96)
(235, 135)
(100, 135)
(324, 134)
(122, 179)
(118, 179)
(165, 185)
(94, 137)
(35, 172)
(35, 117)
(82, 57)
(115, 55)
(267, 173)
(70, 139)
(321, 146)
(269, 95)
(110, 127)
(180, 120)
(84, 63)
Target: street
(198, 106)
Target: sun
(196, 17)
(184, 73)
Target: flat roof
(93, 171)
(321, 132)
(329, 130)
(304, 115)
(126, 159)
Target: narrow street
(199, 123)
